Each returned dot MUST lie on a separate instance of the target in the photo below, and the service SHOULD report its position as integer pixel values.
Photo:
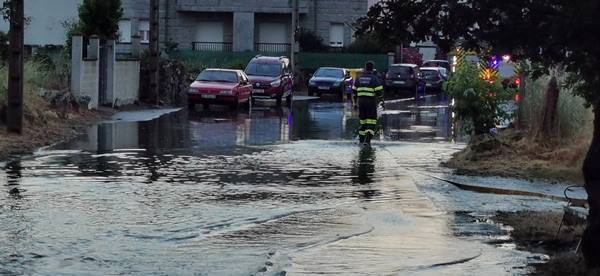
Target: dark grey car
(329, 80)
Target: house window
(336, 35)
(125, 31)
(144, 31)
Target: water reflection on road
(266, 191)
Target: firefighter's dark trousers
(367, 112)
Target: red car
(271, 77)
(220, 86)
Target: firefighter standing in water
(368, 88)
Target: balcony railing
(273, 47)
(212, 46)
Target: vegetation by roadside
(526, 151)
(537, 232)
(51, 113)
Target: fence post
(110, 72)
(14, 112)
(154, 51)
(76, 64)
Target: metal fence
(213, 46)
(273, 47)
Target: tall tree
(547, 32)
(100, 17)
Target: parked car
(403, 77)
(434, 78)
(329, 80)
(438, 63)
(220, 86)
(271, 77)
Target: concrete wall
(46, 21)
(89, 81)
(179, 18)
(325, 12)
(127, 81)
(260, 6)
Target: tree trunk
(591, 173)
(521, 122)
(548, 127)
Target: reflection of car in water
(318, 120)
(270, 125)
(230, 129)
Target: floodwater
(266, 191)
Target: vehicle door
(288, 78)
(245, 86)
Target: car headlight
(276, 83)
(311, 82)
(337, 83)
(225, 92)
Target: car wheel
(235, 104)
(310, 92)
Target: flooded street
(270, 191)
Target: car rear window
(218, 76)
(429, 74)
(329, 73)
(401, 70)
(436, 64)
(263, 69)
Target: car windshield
(401, 70)
(263, 69)
(429, 74)
(218, 76)
(329, 73)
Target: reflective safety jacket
(368, 85)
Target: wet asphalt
(262, 190)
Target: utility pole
(295, 19)
(14, 114)
(154, 50)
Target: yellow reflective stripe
(365, 132)
(368, 122)
(365, 89)
(366, 94)
(378, 88)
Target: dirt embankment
(538, 232)
(513, 154)
(45, 126)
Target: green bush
(35, 75)
(309, 41)
(476, 101)
(368, 44)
